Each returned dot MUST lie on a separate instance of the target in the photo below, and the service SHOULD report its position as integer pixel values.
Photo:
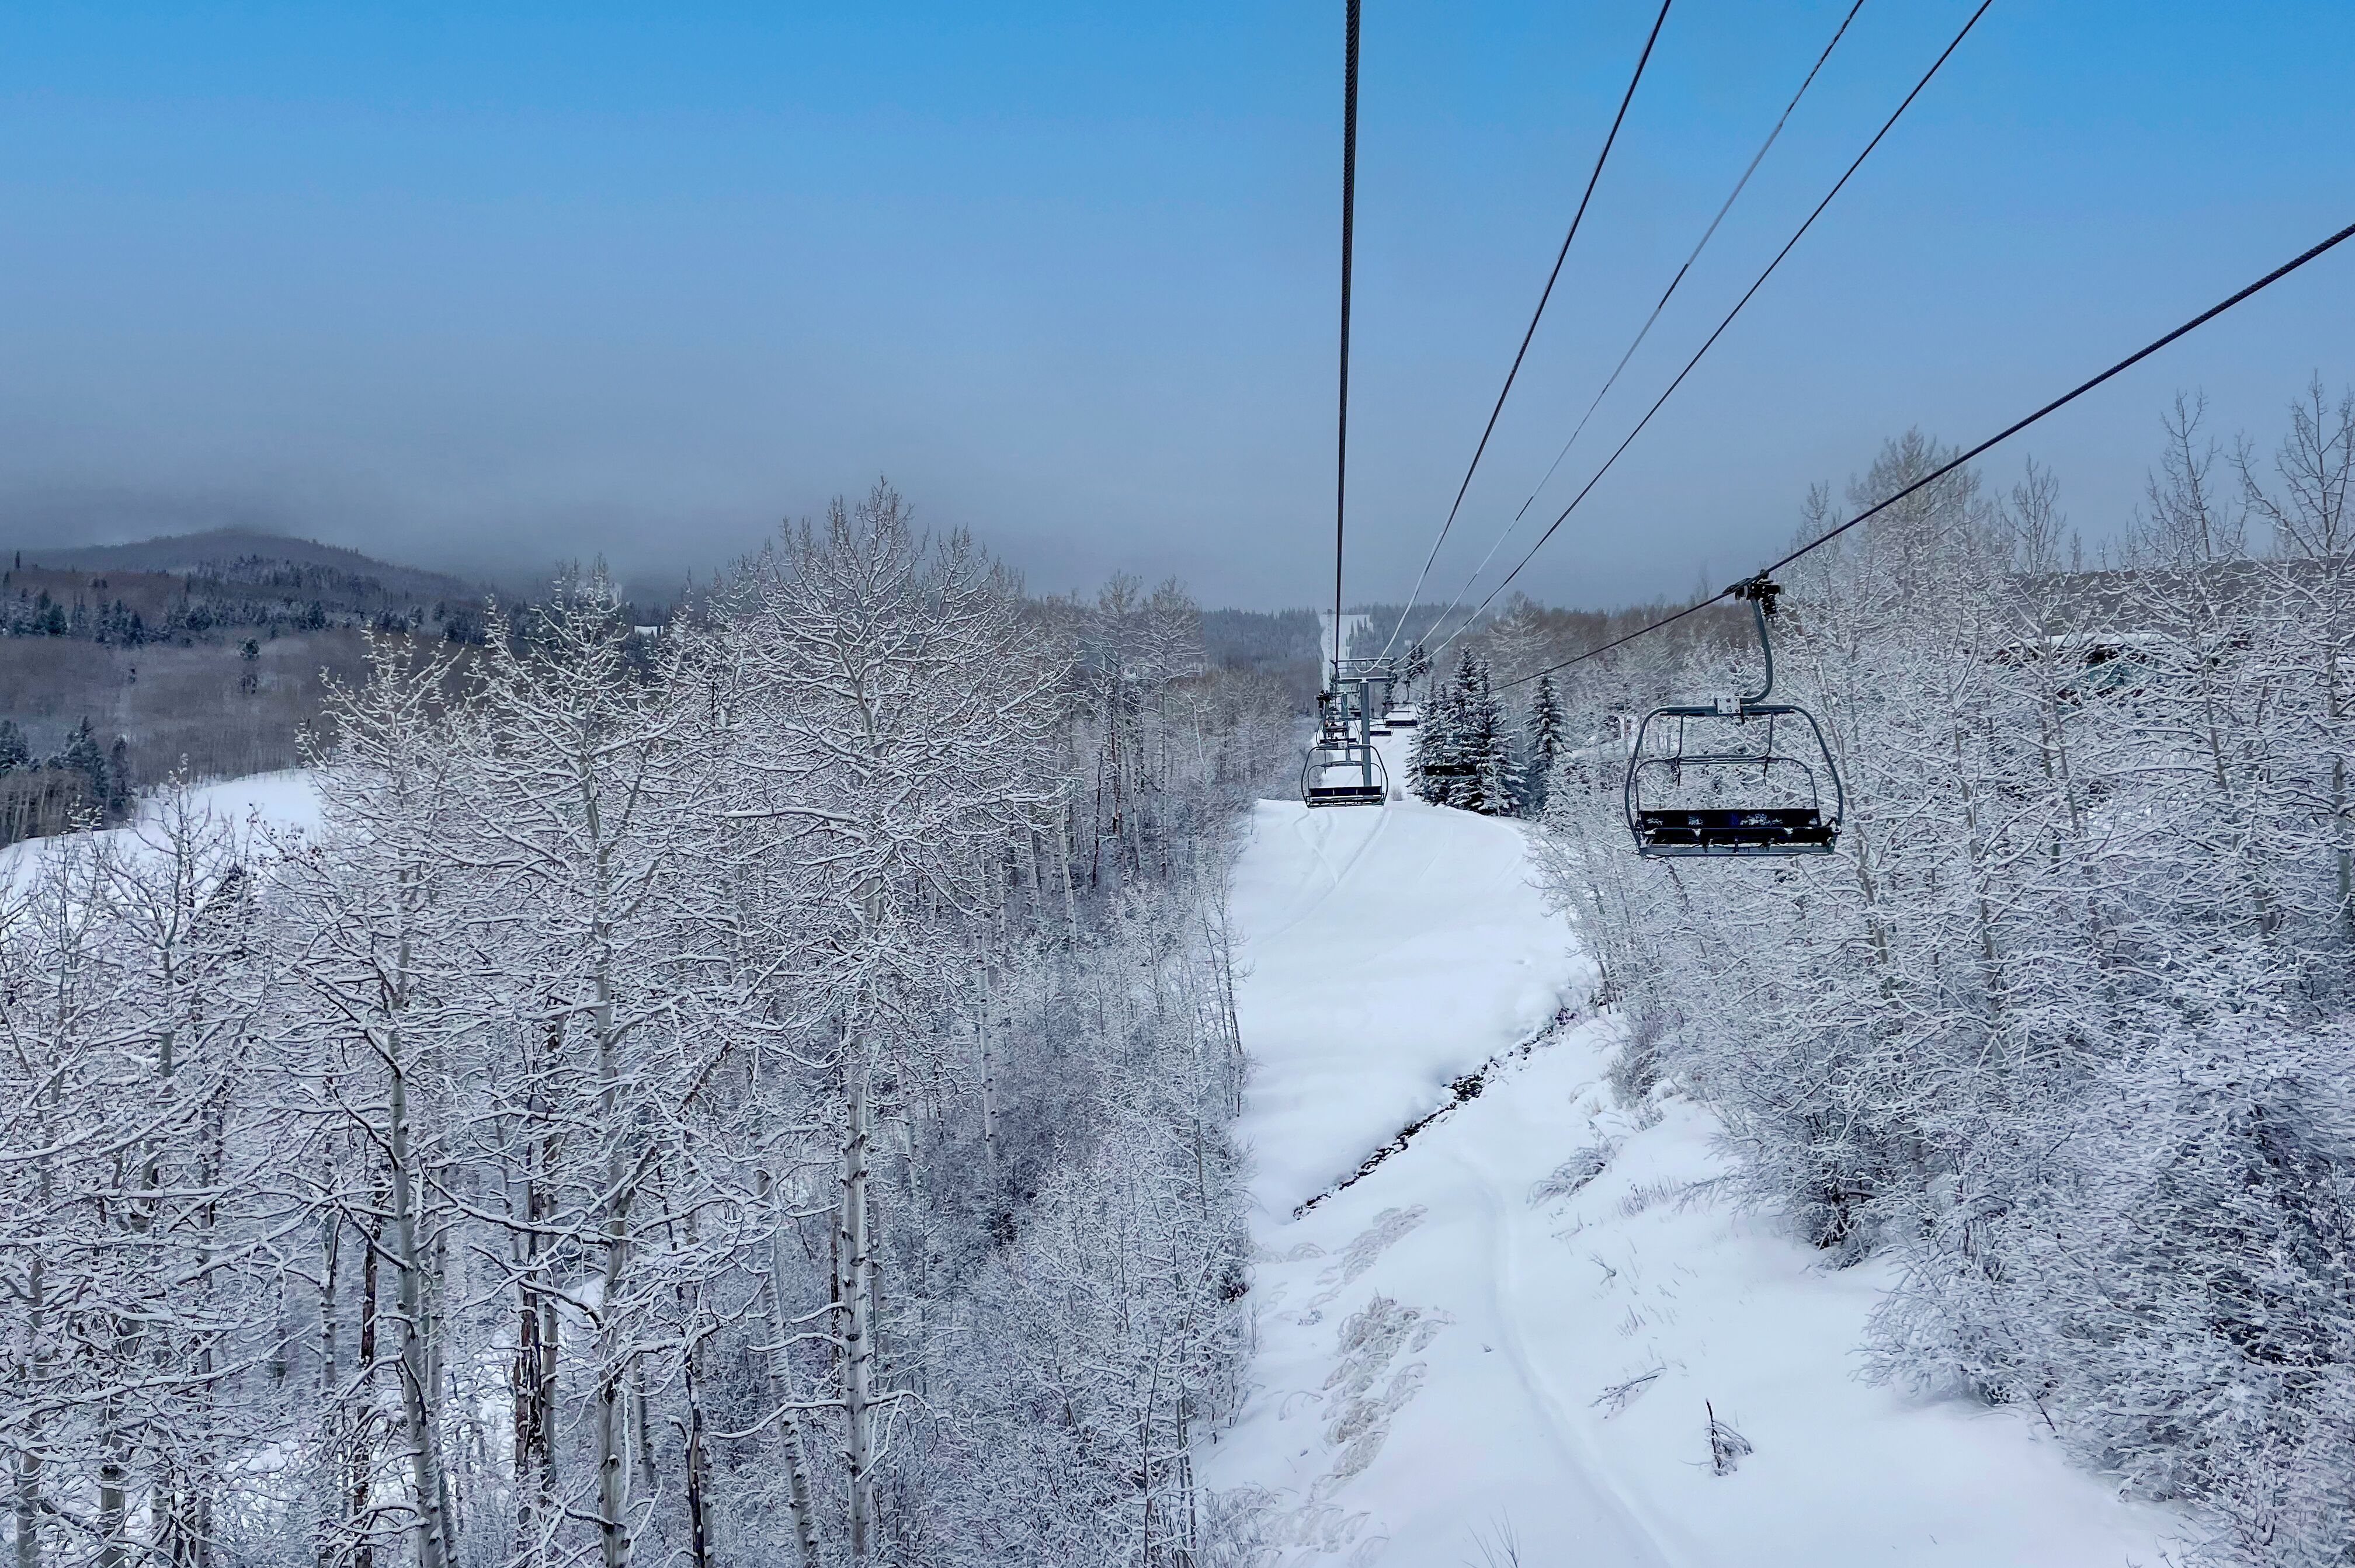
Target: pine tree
(118, 777)
(1432, 762)
(1485, 741)
(1545, 734)
(1417, 665)
(84, 756)
(1442, 757)
(1463, 753)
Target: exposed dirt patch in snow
(1467, 1087)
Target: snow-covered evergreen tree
(1485, 739)
(1463, 751)
(1413, 669)
(1434, 759)
(1543, 733)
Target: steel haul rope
(1560, 256)
(1710, 341)
(1644, 331)
(1348, 225)
(2136, 358)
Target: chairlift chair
(1344, 767)
(1740, 775)
(1336, 776)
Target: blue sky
(482, 287)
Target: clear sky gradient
(481, 287)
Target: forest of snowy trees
(770, 1108)
(2066, 1026)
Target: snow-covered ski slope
(277, 803)
(1468, 1346)
(1353, 626)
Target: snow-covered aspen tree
(382, 954)
(896, 708)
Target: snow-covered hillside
(1511, 1333)
(275, 803)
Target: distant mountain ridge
(210, 586)
(246, 555)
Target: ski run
(1505, 1342)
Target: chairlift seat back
(1346, 795)
(1784, 830)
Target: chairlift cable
(2139, 355)
(1644, 331)
(1348, 225)
(1698, 353)
(1552, 278)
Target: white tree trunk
(859, 1304)
(797, 1471)
(988, 1072)
(417, 1388)
(28, 1459)
(1070, 904)
(613, 1471)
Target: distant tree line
(129, 608)
(86, 782)
(205, 610)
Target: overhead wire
(1644, 331)
(1547, 294)
(2137, 357)
(1349, 226)
(1699, 353)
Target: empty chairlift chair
(1343, 768)
(1740, 775)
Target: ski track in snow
(1441, 1347)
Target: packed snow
(282, 802)
(1509, 1335)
